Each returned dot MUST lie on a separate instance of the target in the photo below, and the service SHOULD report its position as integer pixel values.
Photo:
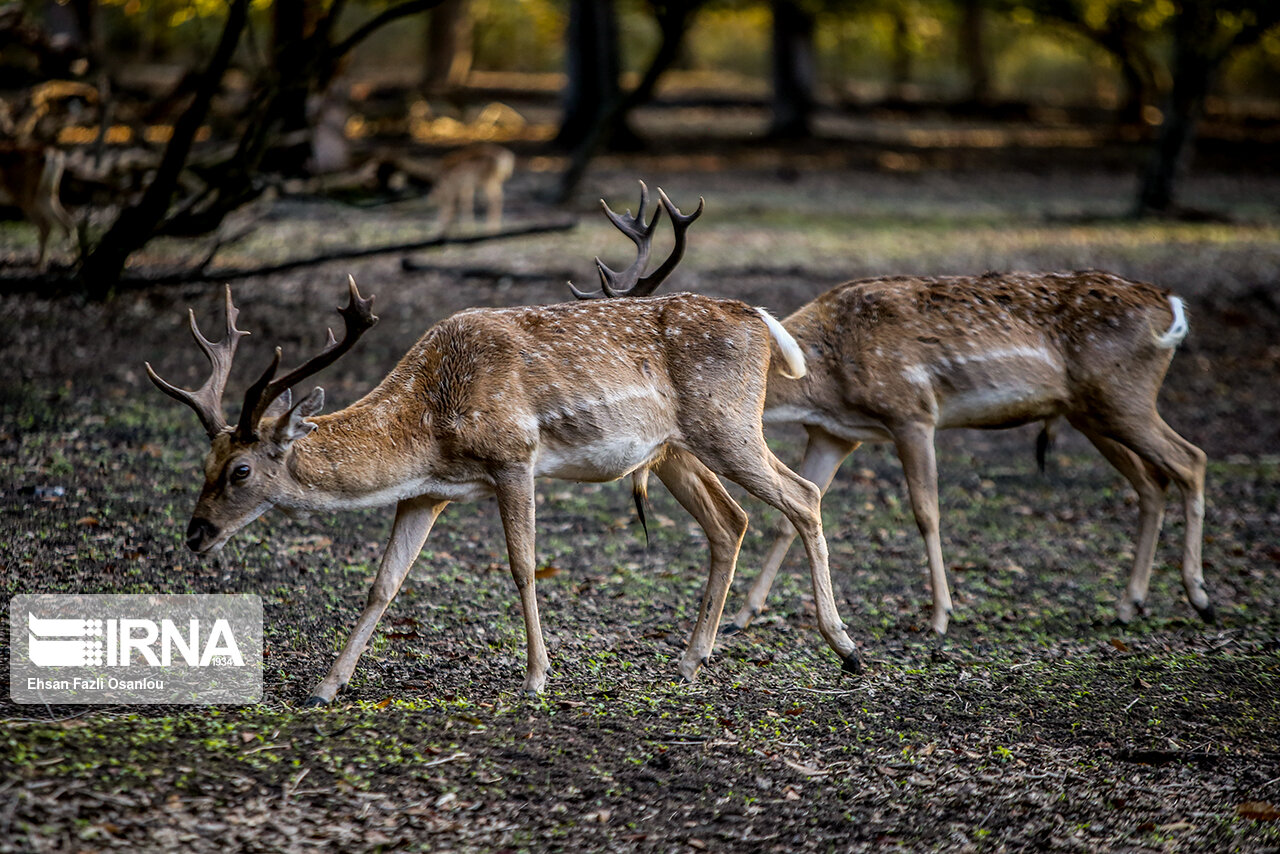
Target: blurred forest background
(173, 115)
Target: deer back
(983, 351)
(589, 390)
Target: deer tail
(791, 353)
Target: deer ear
(292, 426)
(280, 405)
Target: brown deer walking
(896, 359)
(31, 178)
(490, 399)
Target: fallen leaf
(313, 543)
(807, 770)
(1258, 811)
(91, 521)
(383, 703)
(1119, 644)
(547, 572)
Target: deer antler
(207, 400)
(628, 283)
(358, 317)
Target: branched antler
(629, 283)
(358, 317)
(207, 400)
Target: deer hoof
(1128, 610)
(731, 629)
(1208, 613)
(314, 702)
(689, 669)
(851, 664)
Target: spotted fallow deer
(490, 399)
(896, 359)
(455, 179)
(31, 177)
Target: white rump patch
(1179, 329)
(790, 349)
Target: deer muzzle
(201, 534)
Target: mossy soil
(1038, 724)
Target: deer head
(247, 465)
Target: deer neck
(361, 456)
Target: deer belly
(998, 387)
(602, 439)
(1006, 406)
(851, 424)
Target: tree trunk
(448, 47)
(288, 30)
(591, 58)
(900, 67)
(611, 124)
(973, 51)
(136, 224)
(1193, 68)
(794, 70)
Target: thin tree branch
(223, 274)
(411, 7)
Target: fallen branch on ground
(65, 279)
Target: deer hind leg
(467, 202)
(754, 467)
(822, 458)
(701, 493)
(914, 443)
(493, 203)
(445, 195)
(414, 518)
(516, 506)
(1150, 484)
(1184, 464)
(43, 227)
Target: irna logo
(135, 648)
(124, 642)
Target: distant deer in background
(895, 359)
(31, 168)
(455, 179)
(490, 399)
(31, 178)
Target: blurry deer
(30, 178)
(455, 179)
(490, 399)
(895, 359)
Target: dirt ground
(1038, 725)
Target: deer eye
(240, 472)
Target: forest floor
(1038, 724)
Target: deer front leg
(822, 458)
(414, 518)
(700, 492)
(515, 504)
(915, 449)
